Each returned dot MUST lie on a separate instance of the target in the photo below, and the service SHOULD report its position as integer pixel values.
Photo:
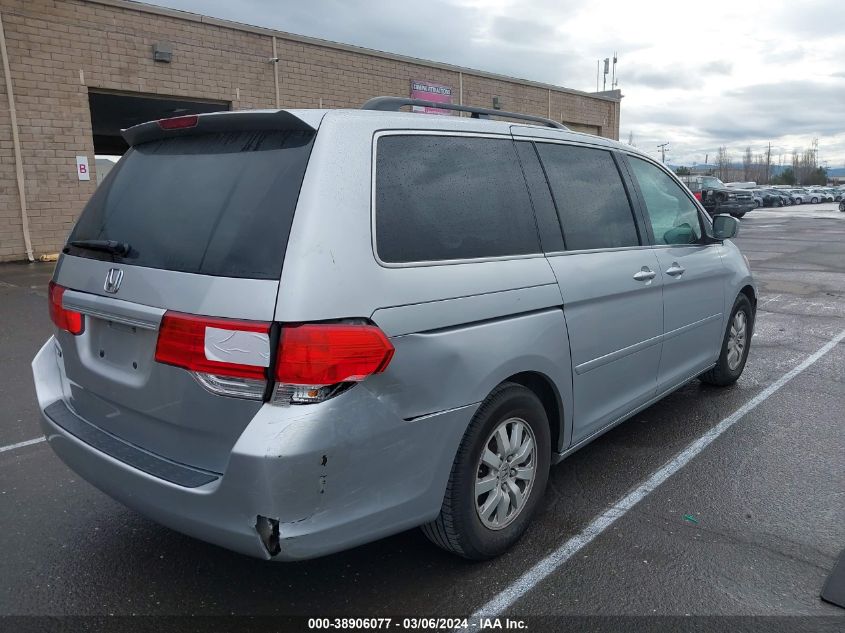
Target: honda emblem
(113, 279)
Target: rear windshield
(215, 204)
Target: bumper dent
(300, 482)
(268, 532)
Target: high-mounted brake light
(67, 320)
(210, 345)
(178, 122)
(324, 354)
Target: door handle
(645, 274)
(675, 270)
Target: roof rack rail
(393, 104)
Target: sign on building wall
(428, 91)
(82, 168)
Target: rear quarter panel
(454, 366)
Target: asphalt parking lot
(751, 526)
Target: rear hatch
(192, 222)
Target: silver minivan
(291, 332)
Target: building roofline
(133, 5)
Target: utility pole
(768, 161)
(662, 148)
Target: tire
(727, 371)
(459, 527)
(814, 200)
(842, 206)
(757, 204)
(779, 203)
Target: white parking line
(544, 568)
(12, 447)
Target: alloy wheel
(737, 339)
(505, 473)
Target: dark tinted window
(590, 197)
(215, 204)
(544, 207)
(451, 197)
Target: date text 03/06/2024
(505, 624)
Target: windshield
(216, 204)
(711, 182)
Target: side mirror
(725, 227)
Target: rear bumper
(334, 475)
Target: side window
(591, 200)
(673, 216)
(451, 197)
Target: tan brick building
(70, 61)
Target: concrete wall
(59, 49)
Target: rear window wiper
(108, 246)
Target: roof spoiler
(393, 104)
(214, 122)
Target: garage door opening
(112, 112)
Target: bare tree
(805, 164)
(723, 163)
(747, 162)
(759, 170)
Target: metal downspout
(16, 142)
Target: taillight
(327, 354)
(178, 122)
(314, 361)
(697, 195)
(222, 347)
(317, 361)
(67, 320)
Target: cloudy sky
(696, 74)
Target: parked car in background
(358, 322)
(758, 198)
(842, 204)
(769, 198)
(717, 198)
(820, 195)
(798, 195)
(787, 198)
